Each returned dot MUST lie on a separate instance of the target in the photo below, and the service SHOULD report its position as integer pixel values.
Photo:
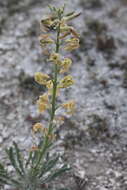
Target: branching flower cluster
(39, 169)
(60, 34)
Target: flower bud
(37, 127)
(69, 106)
(43, 102)
(41, 78)
(66, 82)
(72, 44)
(55, 58)
(66, 63)
(45, 40)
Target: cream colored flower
(43, 102)
(55, 58)
(64, 27)
(41, 106)
(37, 127)
(69, 106)
(58, 120)
(66, 30)
(66, 82)
(45, 40)
(41, 78)
(50, 23)
(44, 98)
(49, 84)
(47, 21)
(66, 63)
(72, 44)
(74, 33)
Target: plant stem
(55, 76)
(53, 109)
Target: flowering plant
(40, 168)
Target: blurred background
(94, 140)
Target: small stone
(1, 139)
(103, 188)
(105, 43)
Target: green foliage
(27, 175)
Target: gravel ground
(94, 141)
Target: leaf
(3, 175)
(29, 159)
(5, 179)
(52, 8)
(15, 182)
(48, 165)
(3, 182)
(11, 155)
(36, 154)
(1, 167)
(2, 170)
(63, 8)
(56, 174)
(69, 14)
(18, 156)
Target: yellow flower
(41, 106)
(44, 98)
(55, 57)
(49, 84)
(74, 33)
(64, 27)
(43, 102)
(69, 106)
(66, 63)
(58, 120)
(45, 40)
(47, 21)
(66, 82)
(37, 127)
(41, 78)
(67, 30)
(64, 35)
(50, 23)
(72, 44)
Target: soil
(94, 140)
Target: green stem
(53, 109)
(55, 77)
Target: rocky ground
(94, 141)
